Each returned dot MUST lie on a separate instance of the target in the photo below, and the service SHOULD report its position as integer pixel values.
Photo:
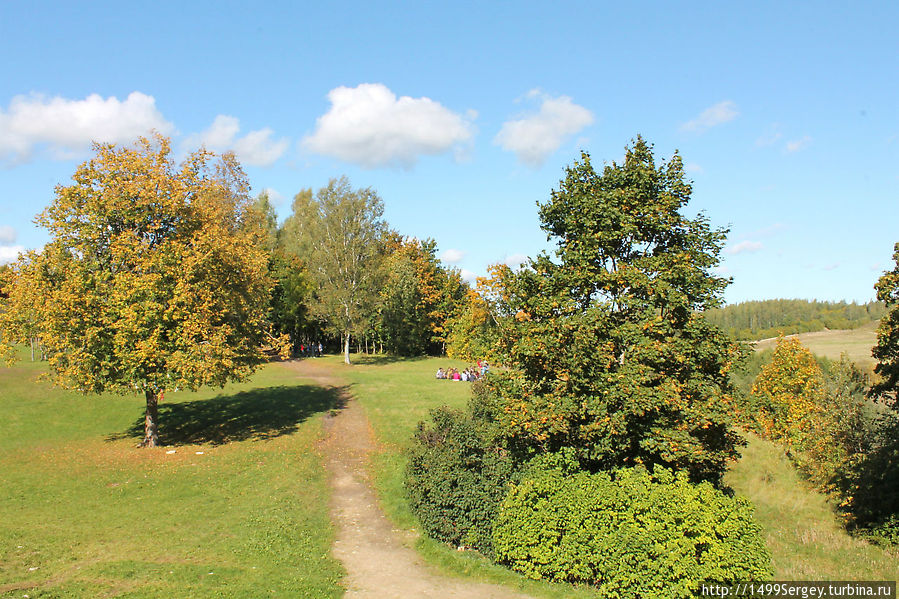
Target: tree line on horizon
(760, 319)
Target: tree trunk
(346, 348)
(151, 420)
(32, 349)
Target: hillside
(770, 318)
(856, 343)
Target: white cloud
(256, 148)
(10, 253)
(720, 113)
(8, 235)
(770, 137)
(370, 126)
(535, 136)
(515, 261)
(692, 167)
(452, 256)
(798, 144)
(469, 277)
(67, 127)
(273, 195)
(831, 266)
(744, 246)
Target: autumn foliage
(155, 276)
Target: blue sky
(464, 115)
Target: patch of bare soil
(378, 562)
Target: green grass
(83, 512)
(806, 539)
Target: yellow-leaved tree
(155, 277)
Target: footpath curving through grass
(800, 527)
(235, 505)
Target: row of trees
(162, 276)
(340, 270)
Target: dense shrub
(631, 533)
(869, 486)
(455, 482)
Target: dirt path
(378, 562)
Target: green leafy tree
(418, 296)
(155, 276)
(886, 352)
(607, 348)
(337, 233)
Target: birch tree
(338, 233)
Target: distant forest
(769, 318)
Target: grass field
(240, 509)
(857, 343)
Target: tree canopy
(887, 349)
(154, 278)
(337, 233)
(608, 350)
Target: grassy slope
(85, 513)
(830, 344)
(804, 535)
(801, 530)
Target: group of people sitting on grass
(472, 373)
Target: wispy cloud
(8, 235)
(798, 144)
(744, 247)
(533, 137)
(370, 126)
(515, 261)
(274, 196)
(469, 277)
(452, 256)
(67, 127)
(692, 167)
(720, 113)
(257, 148)
(770, 136)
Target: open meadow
(855, 343)
(235, 505)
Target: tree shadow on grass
(258, 414)
(382, 359)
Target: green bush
(629, 532)
(455, 481)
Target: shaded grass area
(257, 414)
(239, 509)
